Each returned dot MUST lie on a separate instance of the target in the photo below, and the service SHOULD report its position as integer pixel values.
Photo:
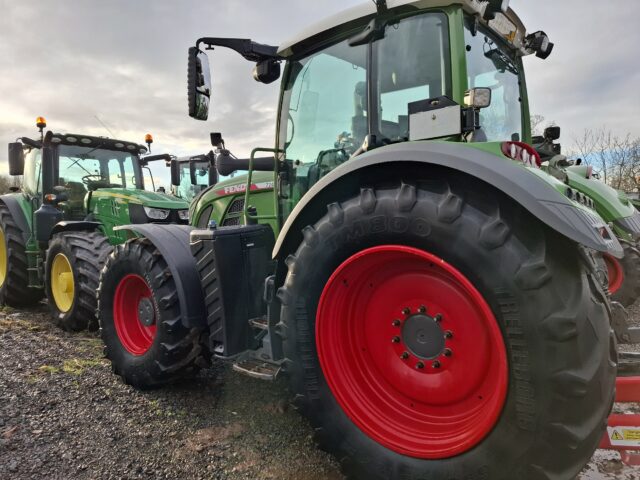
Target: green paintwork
(222, 195)
(610, 204)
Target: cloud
(125, 62)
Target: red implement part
(623, 431)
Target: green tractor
(190, 175)
(613, 206)
(429, 291)
(57, 231)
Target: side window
(490, 65)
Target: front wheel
(140, 321)
(438, 331)
(74, 261)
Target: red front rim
(616, 273)
(135, 337)
(411, 352)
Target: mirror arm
(250, 50)
(31, 143)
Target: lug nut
(419, 365)
(395, 339)
(404, 356)
(435, 364)
(438, 317)
(406, 311)
(448, 334)
(396, 323)
(447, 352)
(422, 309)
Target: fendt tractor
(613, 206)
(58, 229)
(429, 291)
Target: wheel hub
(146, 312)
(423, 336)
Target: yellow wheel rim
(3, 259)
(62, 285)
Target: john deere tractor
(428, 290)
(56, 232)
(612, 205)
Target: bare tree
(616, 158)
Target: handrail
(247, 192)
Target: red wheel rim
(134, 335)
(615, 271)
(375, 324)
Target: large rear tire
(72, 272)
(14, 275)
(438, 330)
(624, 275)
(140, 321)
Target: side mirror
(198, 84)
(552, 133)
(16, 159)
(217, 140)
(175, 173)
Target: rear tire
(629, 290)
(550, 309)
(163, 350)
(14, 287)
(85, 253)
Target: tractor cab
(377, 75)
(81, 178)
(193, 175)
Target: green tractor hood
(613, 206)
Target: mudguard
(540, 198)
(18, 215)
(77, 226)
(172, 241)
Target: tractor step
(256, 368)
(260, 323)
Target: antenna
(105, 127)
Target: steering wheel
(87, 178)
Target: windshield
(327, 98)
(186, 189)
(490, 64)
(90, 168)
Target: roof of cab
(361, 14)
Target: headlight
(156, 213)
(183, 214)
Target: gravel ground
(64, 415)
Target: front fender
(172, 241)
(537, 196)
(79, 226)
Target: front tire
(72, 272)
(455, 257)
(140, 321)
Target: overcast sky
(124, 61)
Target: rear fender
(172, 241)
(75, 227)
(537, 196)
